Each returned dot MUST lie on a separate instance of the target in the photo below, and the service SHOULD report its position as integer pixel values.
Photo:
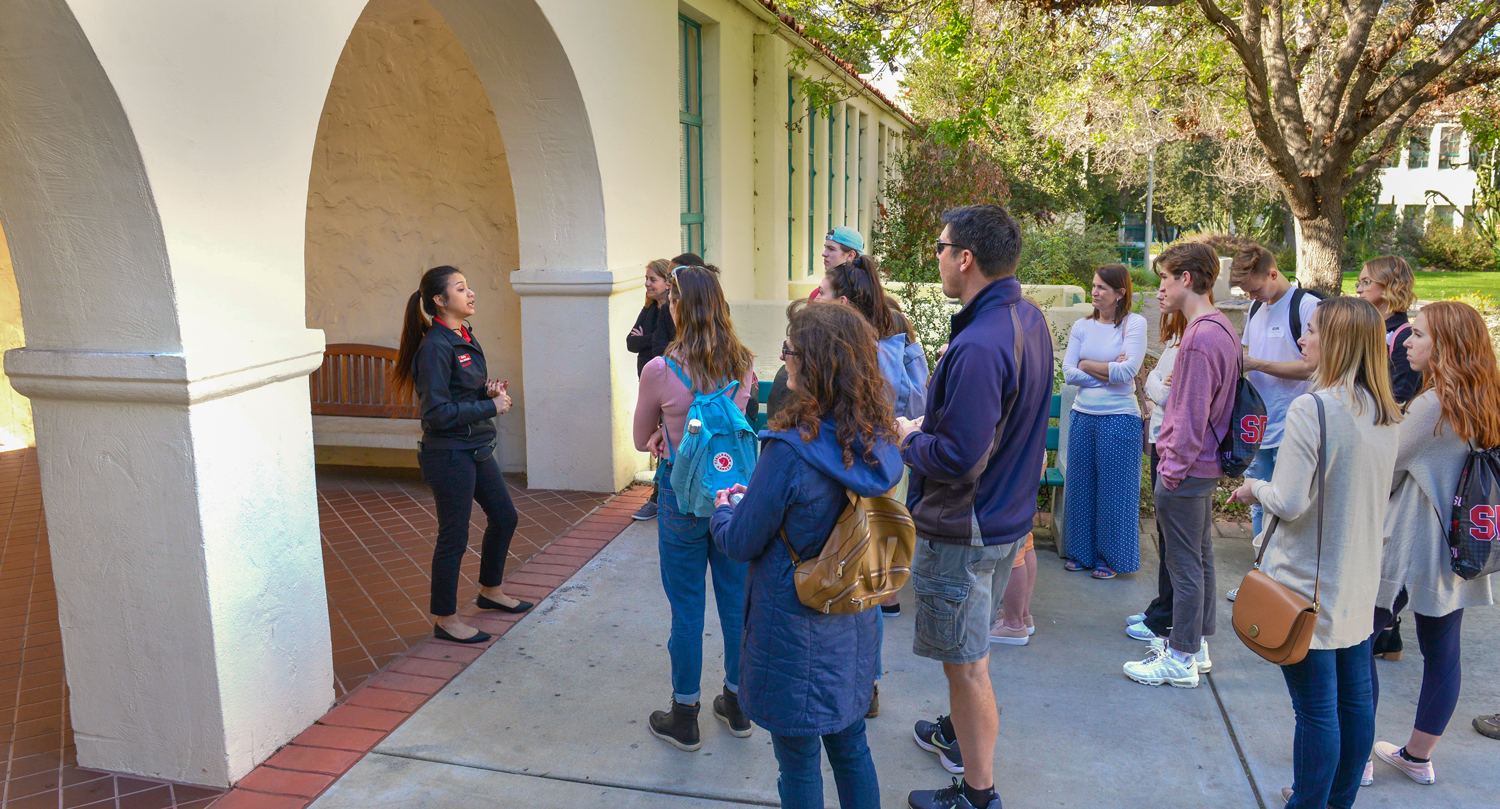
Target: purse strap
(1275, 520)
(796, 557)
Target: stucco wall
(410, 172)
(15, 410)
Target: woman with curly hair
(1459, 407)
(805, 674)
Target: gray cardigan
(1360, 460)
(1428, 465)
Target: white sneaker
(1233, 594)
(1369, 777)
(1201, 658)
(1138, 618)
(1391, 754)
(1160, 666)
(1140, 632)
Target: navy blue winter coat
(802, 673)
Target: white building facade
(1432, 176)
(197, 197)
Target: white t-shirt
(1269, 337)
(1105, 342)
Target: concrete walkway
(554, 714)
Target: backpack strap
(1395, 337)
(677, 369)
(1294, 317)
(1238, 355)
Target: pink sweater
(1199, 407)
(664, 399)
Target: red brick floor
(377, 530)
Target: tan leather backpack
(866, 559)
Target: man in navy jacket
(976, 456)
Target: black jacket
(657, 332)
(1406, 382)
(451, 375)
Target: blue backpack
(903, 364)
(720, 454)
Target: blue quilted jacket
(802, 673)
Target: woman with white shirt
(1329, 552)
(1458, 406)
(1105, 352)
(1156, 620)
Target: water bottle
(734, 499)
(694, 426)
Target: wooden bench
(355, 418)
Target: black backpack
(1474, 529)
(1247, 423)
(1294, 317)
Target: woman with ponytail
(1458, 407)
(443, 363)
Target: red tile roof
(848, 67)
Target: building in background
(1432, 177)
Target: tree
(1325, 89)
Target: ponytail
(420, 309)
(859, 280)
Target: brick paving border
(302, 770)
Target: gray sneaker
(1233, 594)
(645, 512)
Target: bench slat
(352, 382)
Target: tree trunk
(1320, 249)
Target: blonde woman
(1351, 414)
(1459, 407)
(648, 339)
(1387, 283)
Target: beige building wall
(410, 172)
(15, 410)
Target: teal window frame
(859, 184)
(832, 175)
(812, 186)
(1450, 147)
(847, 111)
(693, 221)
(791, 174)
(1419, 150)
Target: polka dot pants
(1104, 491)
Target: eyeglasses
(941, 244)
(1365, 282)
(786, 350)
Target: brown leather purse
(866, 559)
(1273, 621)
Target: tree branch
(1376, 60)
(1325, 113)
(1285, 95)
(1465, 36)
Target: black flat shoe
(479, 636)
(486, 604)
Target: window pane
(1418, 149)
(684, 166)
(1448, 151)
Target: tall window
(1449, 154)
(690, 124)
(791, 173)
(1418, 150)
(859, 216)
(813, 258)
(832, 133)
(848, 155)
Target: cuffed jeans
(458, 478)
(687, 552)
(801, 760)
(1262, 467)
(1335, 710)
(1185, 519)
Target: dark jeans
(458, 478)
(1159, 611)
(1442, 671)
(1335, 710)
(1184, 518)
(801, 760)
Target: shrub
(1483, 304)
(1056, 253)
(1464, 251)
(1143, 278)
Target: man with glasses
(1273, 358)
(975, 457)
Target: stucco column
(183, 527)
(580, 380)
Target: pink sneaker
(1030, 626)
(1391, 754)
(1012, 636)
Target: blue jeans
(1335, 708)
(686, 550)
(801, 760)
(1261, 468)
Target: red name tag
(463, 359)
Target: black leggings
(1159, 612)
(458, 479)
(1442, 672)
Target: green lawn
(1437, 286)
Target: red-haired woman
(1459, 407)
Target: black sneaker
(645, 512)
(890, 612)
(930, 737)
(949, 797)
(677, 727)
(727, 708)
